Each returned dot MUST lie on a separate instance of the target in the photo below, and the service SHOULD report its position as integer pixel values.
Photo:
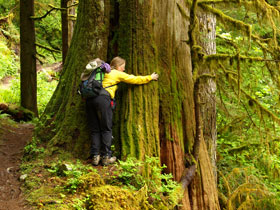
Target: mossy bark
(137, 116)
(154, 37)
(156, 119)
(64, 120)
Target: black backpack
(92, 87)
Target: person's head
(118, 63)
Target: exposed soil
(12, 142)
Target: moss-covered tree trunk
(64, 120)
(137, 117)
(154, 37)
(156, 119)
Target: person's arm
(132, 79)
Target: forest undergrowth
(64, 182)
(248, 106)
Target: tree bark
(207, 24)
(138, 111)
(28, 74)
(64, 29)
(71, 20)
(67, 25)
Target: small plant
(79, 204)
(73, 173)
(31, 150)
(136, 174)
(128, 173)
(73, 184)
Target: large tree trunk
(67, 125)
(156, 119)
(177, 122)
(138, 111)
(28, 74)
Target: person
(100, 111)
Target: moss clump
(113, 197)
(91, 180)
(44, 196)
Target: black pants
(100, 116)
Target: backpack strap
(92, 75)
(110, 86)
(100, 72)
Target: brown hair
(117, 62)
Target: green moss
(252, 99)
(112, 197)
(91, 180)
(182, 11)
(237, 24)
(54, 185)
(137, 121)
(44, 195)
(223, 57)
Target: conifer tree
(28, 74)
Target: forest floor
(13, 138)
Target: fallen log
(16, 113)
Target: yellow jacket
(115, 77)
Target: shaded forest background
(246, 66)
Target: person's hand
(154, 76)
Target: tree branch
(52, 9)
(227, 19)
(187, 176)
(217, 1)
(38, 59)
(242, 57)
(73, 5)
(47, 48)
(252, 99)
(45, 15)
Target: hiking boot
(89, 159)
(106, 160)
(95, 160)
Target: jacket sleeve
(132, 79)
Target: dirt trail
(12, 142)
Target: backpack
(92, 87)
